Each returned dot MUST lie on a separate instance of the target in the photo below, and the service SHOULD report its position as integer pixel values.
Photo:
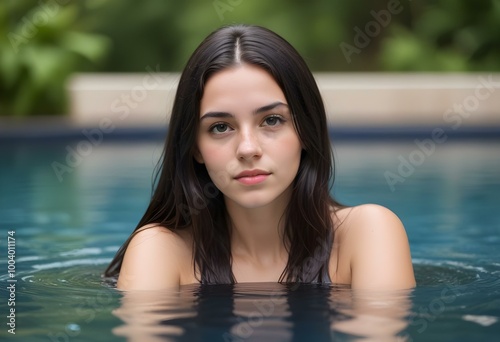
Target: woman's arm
(379, 249)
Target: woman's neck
(257, 233)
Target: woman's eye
(219, 128)
(273, 120)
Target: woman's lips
(251, 177)
(252, 180)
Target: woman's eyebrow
(269, 107)
(216, 115)
(257, 111)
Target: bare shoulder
(376, 246)
(152, 233)
(154, 259)
(356, 220)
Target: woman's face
(246, 137)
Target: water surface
(67, 228)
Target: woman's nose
(248, 146)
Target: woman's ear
(197, 156)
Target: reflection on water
(68, 301)
(66, 233)
(263, 312)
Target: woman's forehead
(243, 87)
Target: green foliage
(129, 36)
(425, 35)
(40, 46)
(167, 32)
(446, 35)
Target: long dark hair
(184, 194)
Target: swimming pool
(67, 225)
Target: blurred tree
(446, 35)
(41, 44)
(402, 35)
(166, 32)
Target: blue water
(68, 228)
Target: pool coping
(351, 99)
(358, 105)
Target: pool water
(68, 224)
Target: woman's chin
(258, 200)
(250, 202)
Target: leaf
(10, 69)
(91, 46)
(47, 64)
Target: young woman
(243, 193)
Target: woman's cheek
(220, 166)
